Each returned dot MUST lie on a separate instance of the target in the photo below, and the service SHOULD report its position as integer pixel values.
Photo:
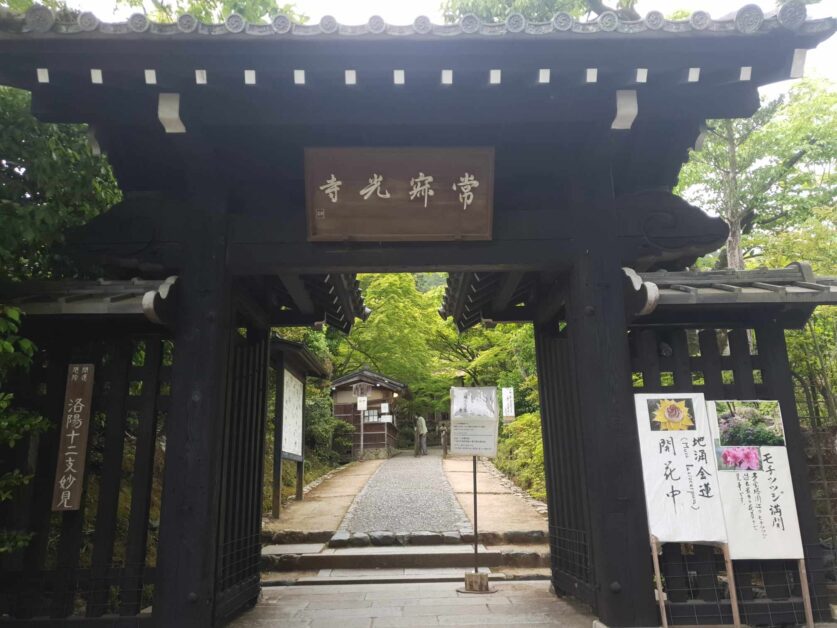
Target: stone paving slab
(413, 604)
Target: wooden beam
(289, 318)
(296, 288)
(554, 300)
(508, 285)
(337, 280)
(459, 294)
(518, 314)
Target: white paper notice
(508, 403)
(474, 421)
(682, 495)
(755, 480)
(292, 415)
(361, 404)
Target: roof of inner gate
(787, 295)
(748, 19)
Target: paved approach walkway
(325, 506)
(413, 604)
(500, 510)
(407, 493)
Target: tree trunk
(735, 255)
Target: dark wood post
(597, 330)
(279, 365)
(187, 552)
(300, 465)
(773, 359)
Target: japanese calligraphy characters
(332, 188)
(466, 185)
(72, 450)
(679, 469)
(374, 187)
(718, 471)
(293, 395)
(399, 193)
(754, 479)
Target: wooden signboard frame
(358, 207)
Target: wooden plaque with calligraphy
(399, 194)
(72, 450)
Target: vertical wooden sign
(72, 449)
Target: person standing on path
(421, 428)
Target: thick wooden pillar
(279, 366)
(773, 357)
(187, 552)
(597, 331)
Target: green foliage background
(771, 177)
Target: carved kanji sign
(399, 194)
(72, 449)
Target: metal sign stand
(476, 582)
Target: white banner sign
(755, 480)
(384, 408)
(508, 403)
(474, 421)
(682, 495)
(292, 415)
(361, 404)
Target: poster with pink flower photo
(754, 479)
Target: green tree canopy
(538, 10)
(767, 173)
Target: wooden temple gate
(206, 128)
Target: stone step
(276, 558)
(361, 576)
(282, 537)
(513, 537)
(383, 538)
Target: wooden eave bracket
(168, 112)
(641, 297)
(627, 109)
(158, 305)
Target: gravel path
(407, 494)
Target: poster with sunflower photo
(754, 477)
(679, 469)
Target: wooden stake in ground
(658, 580)
(733, 591)
(806, 594)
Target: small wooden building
(376, 428)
